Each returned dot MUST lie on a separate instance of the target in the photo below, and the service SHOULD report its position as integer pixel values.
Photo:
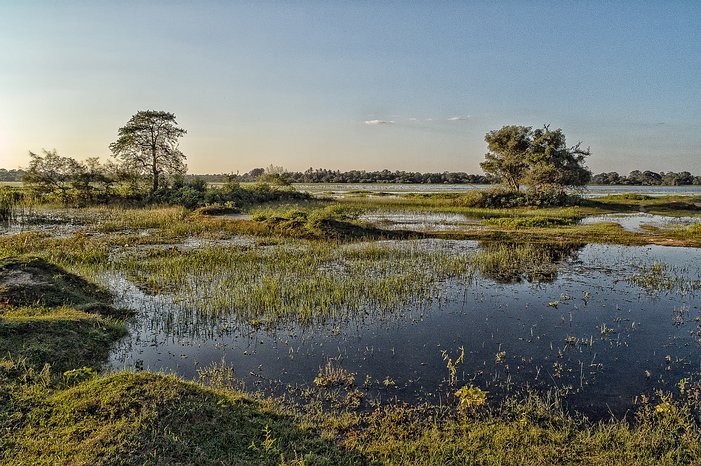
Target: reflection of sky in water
(634, 222)
(631, 332)
(420, 221)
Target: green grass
(527, 432)
(535, 221)
(513, 262)
(64, 337)
(28, 280)
(300, 281)
(145, 418)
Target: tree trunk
(154, 169)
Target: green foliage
(53, 177)
(539, 158)
(9, 199)
(470, 396)
(544, 197)
(536, 221)
(552, 164)
(332, 222)
(513, 262)
(507, 156)
(148, 145)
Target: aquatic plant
(301, 281)
(453, 365)
(512, 262)
(332, 376)
(663, 278)
(470, 396)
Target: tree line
(647, 178)
(322, 175)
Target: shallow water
(392, 188)
(634, 222)
(589, 333)
(420, 221)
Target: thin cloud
(458, 118)
(379, 122)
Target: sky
(403, 85)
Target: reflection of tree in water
(506, 262)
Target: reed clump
(303, 281)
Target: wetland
(343, 308)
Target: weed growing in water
(511, 262)
(453, 365)
(300, 281)
(332, 376)
(662, 278)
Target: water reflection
(506, 262)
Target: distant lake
(397, 188)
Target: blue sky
(354, 85)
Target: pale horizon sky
(403, 85)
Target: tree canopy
(148, 145)
(539, 158)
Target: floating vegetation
(332, 376)
(663, 278)
(453, 365)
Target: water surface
(587, 331)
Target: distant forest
(320, 175)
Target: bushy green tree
(540, 158)
(551, 164)
(68, 179)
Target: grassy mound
(65, 338)
(50, 316)
(146, 418)
(329, 223)
(32, 281)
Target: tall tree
(148, 144)
(507, 156)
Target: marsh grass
(146, 418)
(8, 204)
(535, 221)
(64, 337)
(301, 281)
(663, 278)
(513, 262)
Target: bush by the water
(499, 198)
(196, 193)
